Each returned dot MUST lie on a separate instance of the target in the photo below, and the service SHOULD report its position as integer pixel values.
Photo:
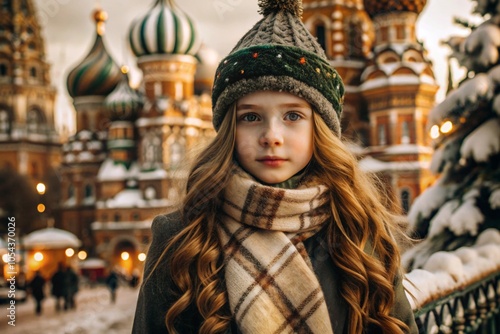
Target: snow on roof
(408, 149)
(111, 171)
(123, 225)
(372, 165)
(152, 175)
(92, 263)
(398, 80)
(126, 198)
(51, 238)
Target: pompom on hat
(279, 54)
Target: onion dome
(165, 29)
(208, 60)
(376, 7)
(123, 102)
(97, 74)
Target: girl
(279, 231)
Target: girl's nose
(271, 137)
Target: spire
(450, 84)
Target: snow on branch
(483, 142)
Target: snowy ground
(94, 314)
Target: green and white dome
(97, 74)
(165, 29)
(123, 102)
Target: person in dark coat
(71, 285)
(36, 286)
(58, 285)
(112, 282)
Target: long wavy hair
(360, 237)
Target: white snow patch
(408, 149)
(481, 86)
(448, 263)
(372, 165)
(51, 238)
(442, 218)
(432, 198)
(466, 218)
(489, 236)
(126, 198)
(111, 171)
(483, 142)
(495, 199)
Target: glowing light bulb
(446, 127)
(125, 256)
(69, 252)
(141, 257)
(38, 256)
(434, 132)
(82, 255)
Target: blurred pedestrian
(36, 286)
(58, 285)
(134, 278)
(112, 282)
(71, 287)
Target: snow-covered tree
(465, 127)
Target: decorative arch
(319, 26)
(35, 119)
(412, 56)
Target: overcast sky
(68, 28)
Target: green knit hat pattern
(279, 54)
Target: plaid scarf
(271, 285)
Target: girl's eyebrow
(284, 105)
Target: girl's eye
(249, 118)
(293, 116)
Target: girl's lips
(272, 162)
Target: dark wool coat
(156, 295)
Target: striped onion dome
(97, 74)
(124, 103)
(165, 29)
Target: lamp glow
(446, 127)
(434, 132)
(82, 255)
(125, 256)
(40, 188)
(38, 256)
(141, 257)
(69, 252)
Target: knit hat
(279, 54)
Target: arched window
(6, 5)
(3, 70)
(33, 120)
(151, 150)
(4, 121)
(117, 217)
(382, 137)
(33, 73)
(71, 191)
(88, 191)
(176, 154)
(321, 35)
(405, 200)
(405, 133)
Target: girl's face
(274, 135)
